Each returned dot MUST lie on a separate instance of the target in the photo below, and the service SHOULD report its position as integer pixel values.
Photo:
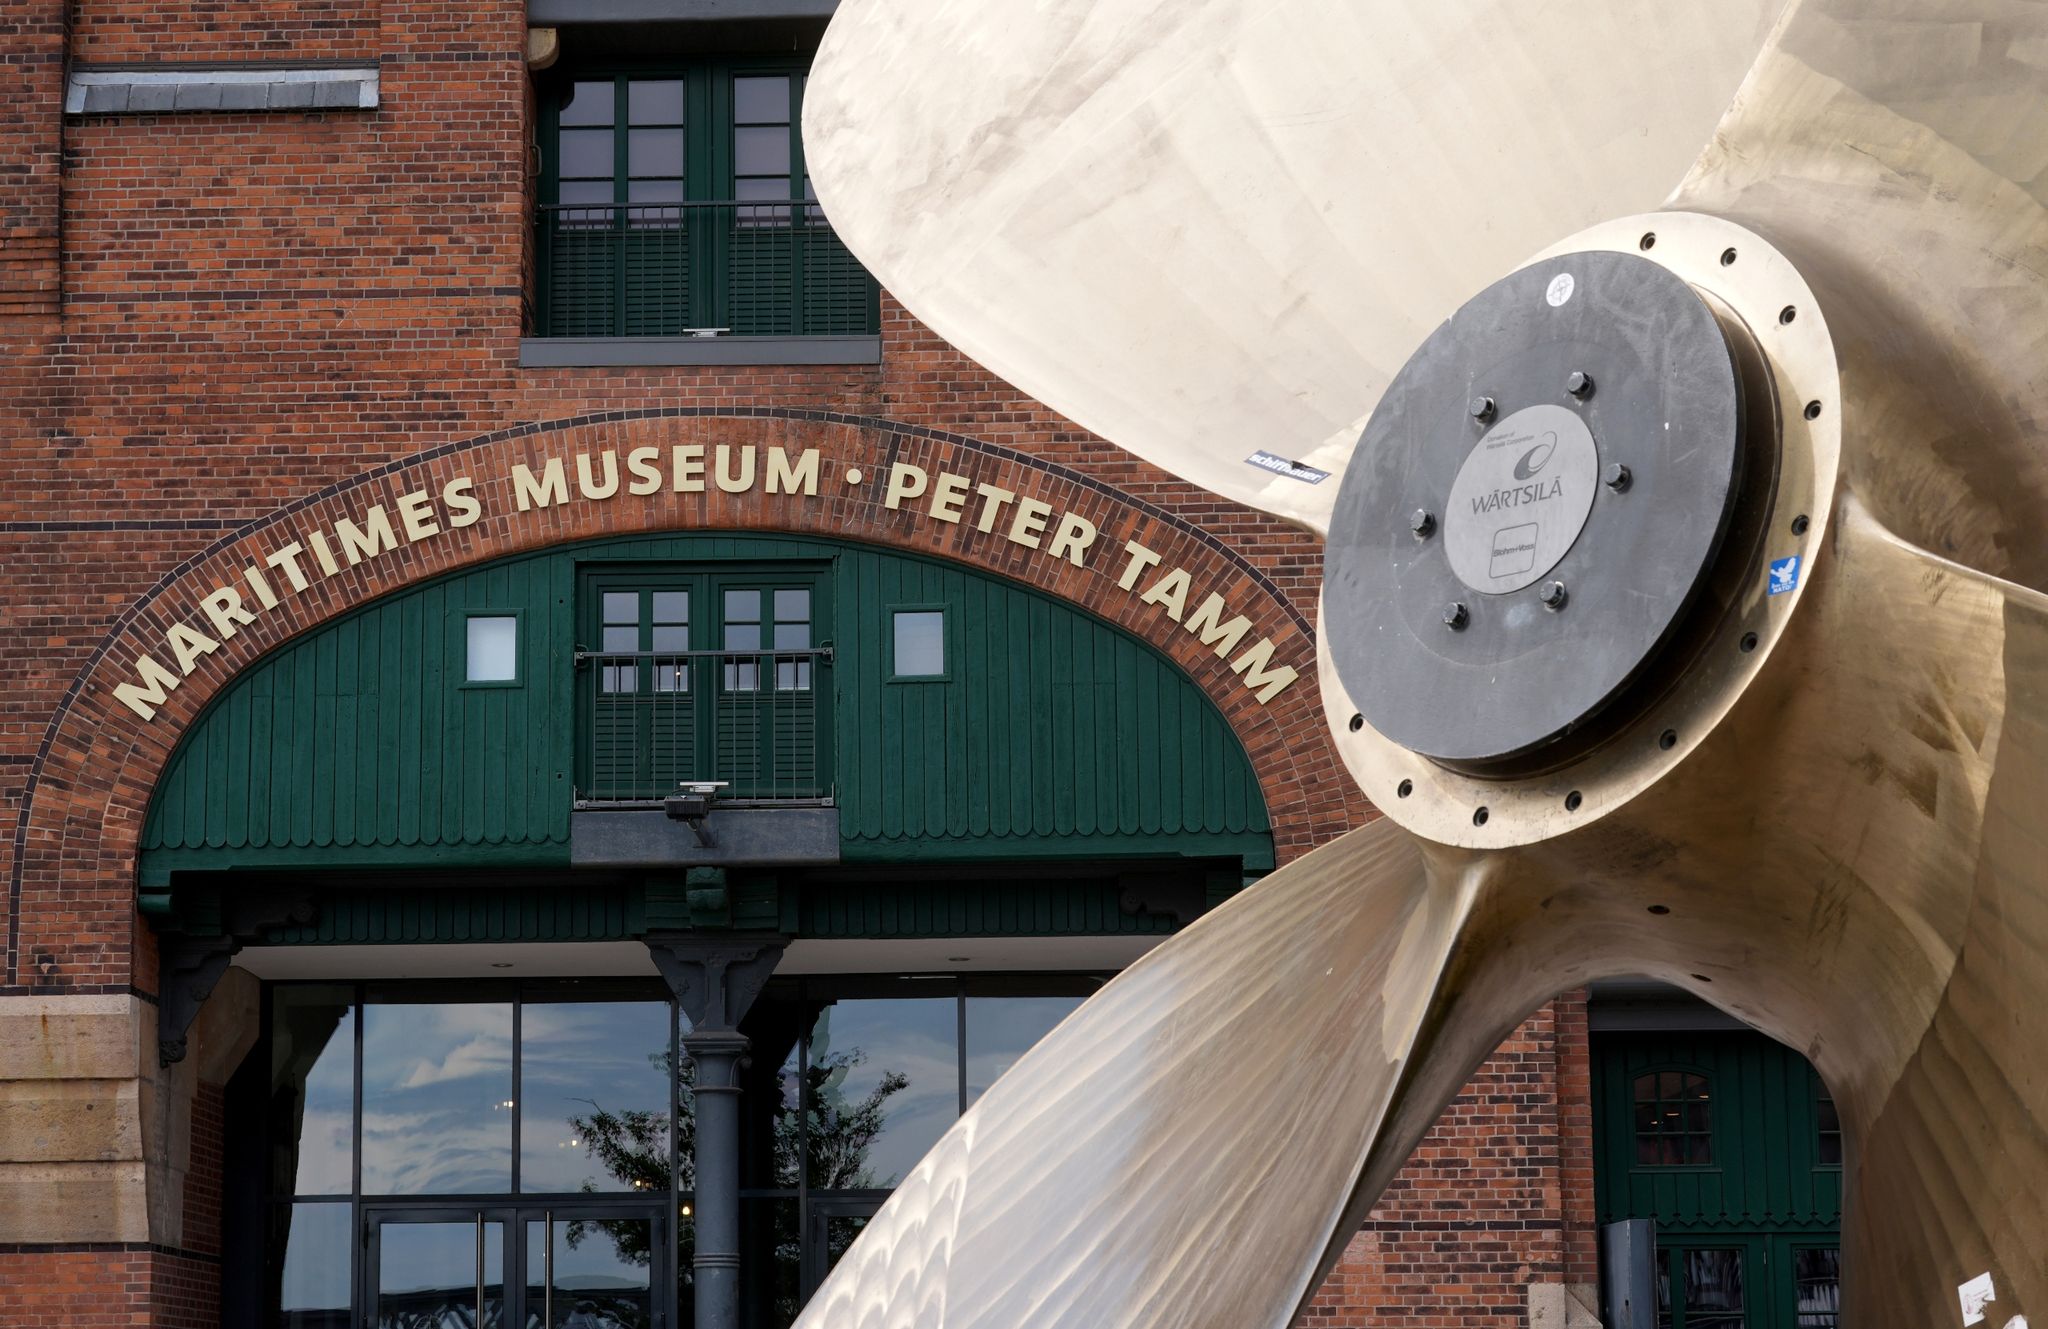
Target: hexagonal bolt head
(1481, 409)
(1616, 477)
(1455, 617)
(1579, 383)
(1423, 523)
(1552, 595)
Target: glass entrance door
(592, 1268)
(436, 1269)
(573, 1267)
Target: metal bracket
(191, 966)
(715, 980)
(691, 804)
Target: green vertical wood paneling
(1765, 1176)
(1053, 734)
(1051, 729)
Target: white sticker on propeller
(1560, 289)
(1974, 1295)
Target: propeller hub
(1593, 366)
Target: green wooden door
(770, 721)
(1730, 1143)
(639, 692)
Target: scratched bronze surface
(1844, 842)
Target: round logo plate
(1521, 499)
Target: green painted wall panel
(1765, 1176)
(1052, 734)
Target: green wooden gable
(1051, 734)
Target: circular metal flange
(1592, 359)
(1792, 412)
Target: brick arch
(82, 808)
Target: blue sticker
(1784, 574)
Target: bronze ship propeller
(1683, 604)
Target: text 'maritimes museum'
(554, 738)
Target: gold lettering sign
(293, 567)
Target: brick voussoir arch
(90, 781)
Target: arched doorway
(476, 841)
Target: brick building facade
(223, 329)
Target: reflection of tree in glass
(632, 1147)
(830, 1139)
(838, 1134)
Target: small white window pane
(671, 606)
(792, 636)
(589, 104)
(743, 605)
(793, 606)
(653, 152)
(655, 101)
(743, 636)
(761, 101)
(920, 643)
(657, 191)
(618, 639)
(672, 637)
(621, 607)
(590, 193)
(763, 151)
(587, 153)
(493, 650)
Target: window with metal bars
(675, 202)
(702, 676)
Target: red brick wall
(1498, 1195)
(111, 1286)
(31, 142)
(282, 314)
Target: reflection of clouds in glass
(436, 1154)
(437, 1090)
(479, 1056)
(575, 1059)
(1002, 1029)
(324, 1144)
(316, 1256)
(419, 1257)
(312, 1083)
(913, 1037)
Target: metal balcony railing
(754, 720)
(723, 268)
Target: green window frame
(675, 200)
(946, 652)
(464, 646)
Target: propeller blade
(1177, 1152)
(1897, 151)
(1856, 863)
(1947, 1168)
(1208, 229)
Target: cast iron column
(715, 980)
(719, 1055)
